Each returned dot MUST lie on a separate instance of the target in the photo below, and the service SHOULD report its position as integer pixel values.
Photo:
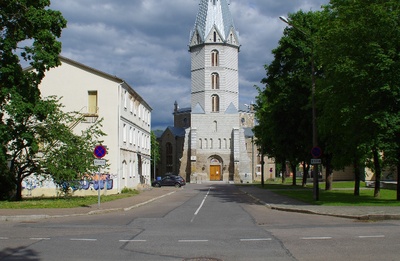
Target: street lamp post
(314, 111)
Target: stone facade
(212, 140)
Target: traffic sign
(315, 161)
(100, 151)
(99, 162)
(316, 152)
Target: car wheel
(157, 185)
(177, 185)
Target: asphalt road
(200, 222)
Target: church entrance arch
(215, 169)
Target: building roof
(105, 75)
(213, 13)
(176, 131)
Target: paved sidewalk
(144, 197)
(263, 196)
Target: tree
(47, 146)
(155, 150)
(283, 108)
(28, 34)
(360, 51)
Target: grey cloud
(145, 42)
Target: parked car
(169, 180)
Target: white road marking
(39, 238)
(315, 238)
(255, 239)
(3, 238)
(132, 240)
(192, 240)
(201, 205)
(83, 239)
(376, 236)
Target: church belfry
(215, 131)
(213, 139)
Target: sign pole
(99, 152)
(98, 189)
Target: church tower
(215, 134)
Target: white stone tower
(215, 137)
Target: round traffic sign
(316, 152)
(99, 151)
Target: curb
(368, 217)
(94, 212)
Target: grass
(63, 202)
(342, 194)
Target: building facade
(210, 141)
(126, 122)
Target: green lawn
(68, 202)
(342, 194)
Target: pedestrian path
(263, 196)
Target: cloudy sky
(145, 42)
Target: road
(200, 222)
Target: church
(213, 140)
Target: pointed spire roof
(214, 14)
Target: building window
(215, 126)
(169, 157)
(130, 135)
(215, 37)
(215, 81)
(92, 102)
(214, 58)
(124, 133)
(215, 103)
(125, 99)
(131, 104)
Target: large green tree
(360, 51)
(29, 32)
(48, 146)
(283, 107)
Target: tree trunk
(378, 173)
(356, 166)
(293, 166)
(283, 171)
(398, 179)
(306, 167)
(329, 173)
(18, 193)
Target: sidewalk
(125, 204)
(263, 196)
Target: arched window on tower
(215, 103)
(214, 58)
(215, 37)
(215, 81)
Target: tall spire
(214, 14)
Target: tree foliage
(360, 51)
(29, 33)
(155, 150)
(283, 107)
(357, 45)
